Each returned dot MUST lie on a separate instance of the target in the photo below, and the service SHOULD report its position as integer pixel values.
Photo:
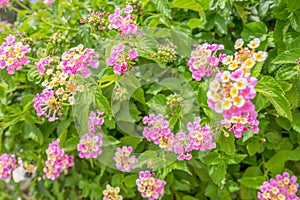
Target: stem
(24, 86)
(22, 5)
(17, 10)
(106, 85)
(91, 162)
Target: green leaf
(260, 102)
(217, 173)
(268, 87)
(234, 159)
(252, 177)
(295, 20)
(130, 181)
(296, 122)
(295, 155)
(254, 29)
(276, 163)
(289, 56)
(102, 103)
(157, 103)
(254, 146)
(71, 144)
(212, 158)
(130, 141)
(227, 143)
(195, 23)
(273, 137)
(252, 182)
(283, 123)
(145, 157)
(191, 5)
(138, 95)
(32, 132)
(163, 7)
(179, 165)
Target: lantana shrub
(168, 99)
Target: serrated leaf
(191, 5)
(195, 23)
(283, 123)
(138, 95)
(157, 103)
(254, 29)
(234, 159)
(130, 180)
(163, 7)
(296, 122)
(145, 157)
(254, 146)
(130, 141)
(102, 103)
(179, 165)
(227, 143)
(276, 163)
(32, 132)
(217, 173)
(268, 87)
(295, 20)
(252, 182)
(295, 155)
(287, 57)
(212, 158)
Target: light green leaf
(296, 122)
(252, 182)
(130, 180)
(217, 173)
(268, 87)
(32, 132)
(289, 56)
(195, 23)
(295, 155)
(102, 103)
(295, 20)
(191, 5)
(254, 29)
(276, 163)
(163, 7)
(227, 143)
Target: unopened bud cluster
(166, 53)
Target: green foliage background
(234, 170)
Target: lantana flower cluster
(112, 193)
(121, 59)
(57, 161)
(90, 144)
(283, 187)
(158, 131)
(230, 93)
(123, 21)
(59, 80)
(12, 54)
(148, 186)
(8, 163)
(125, 162)
(198, 137)
(77, 60)
(204, 61)
(4, 3)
